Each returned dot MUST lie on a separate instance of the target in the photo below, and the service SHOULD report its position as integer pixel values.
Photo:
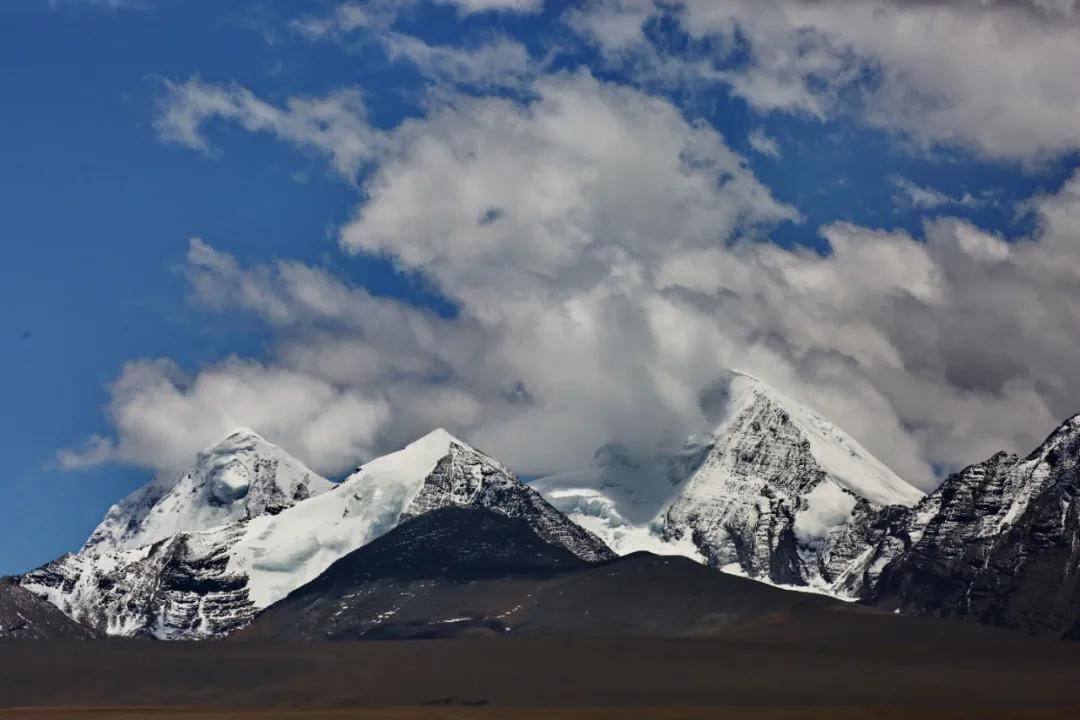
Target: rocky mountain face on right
(998, 542)
(778, 493)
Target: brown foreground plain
(824, 664)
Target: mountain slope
(471, 571)
(998, 542)
(775, 492)
(25, 616)
(207, 584)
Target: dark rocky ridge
(998, 542)
(466, 477)
(25, 616)
(459, 571)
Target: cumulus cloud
(163, 416)
(993, 76)
(606, 260)
(539, 221)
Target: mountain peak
(243, 433)
(439, 438)
(238, 438)
(240, 477)
(749, 400)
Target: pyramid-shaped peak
(735, 391)
(742, 403)
(437, 439)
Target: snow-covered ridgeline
(209, 582)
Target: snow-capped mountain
(239, 478)
(210, 581)
(998, 542)
(775, 492)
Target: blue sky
(128, 129)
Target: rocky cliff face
(998, 542)
(775, 492)
(191, 585)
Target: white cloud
(163, 417)
(911, 195)
(349, 17)
(615, 25)
(468, 7)
(604, 258)
(994, 76)
(764, 144)
(344, 19)
(335, 125)
(95, 451)
(497, 62)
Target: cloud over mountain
(607, 259)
